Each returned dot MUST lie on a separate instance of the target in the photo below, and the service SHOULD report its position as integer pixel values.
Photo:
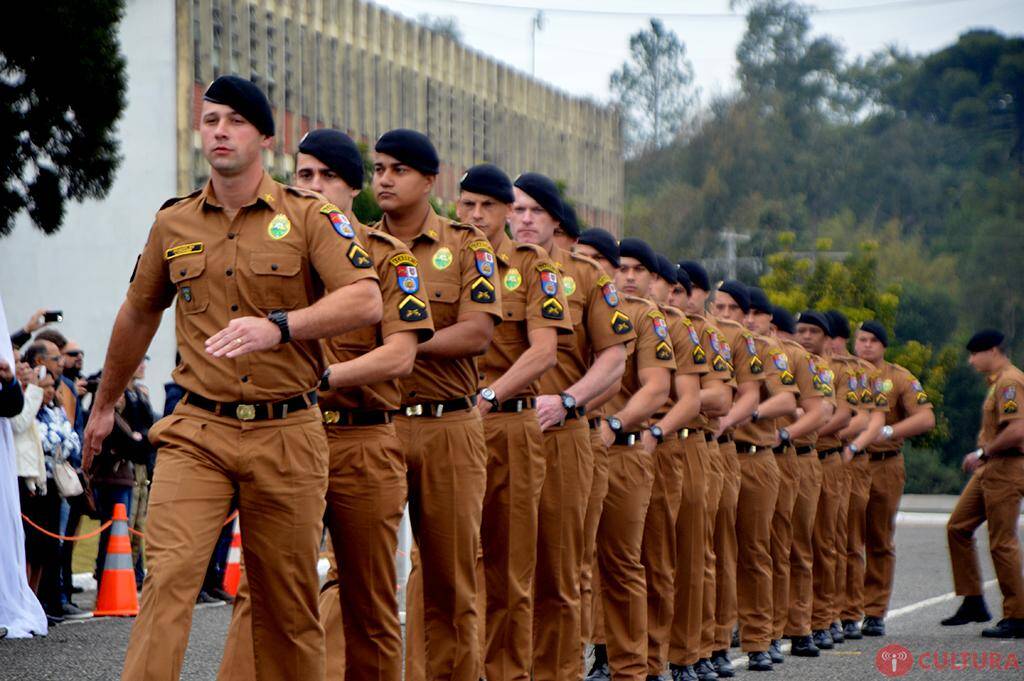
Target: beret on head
(985, 340)
(603, 242)
(683, 279)
(410, 147)
(876, 330)
(783, 319)
(738, 291)
(542, 189)
(666, 270)
(631, 247)
(817, 319)
(571, 223)
(759, 300)
(698, 275)
(489, 180)
(244, 97)
(337, 151)
(839, 324)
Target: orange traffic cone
(233, 570)
(117, 588)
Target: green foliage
(927, 474)
(59, 103)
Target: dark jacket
(11, 399)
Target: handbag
(65, 476)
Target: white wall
(84, 268)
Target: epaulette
(305, 193)
(170, 202)
(537, 250)
(386, 238)
(587, 259)
(671, 311)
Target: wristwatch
(886, 432)
(280, 317)
(488, 394)
(568, 402)
(854, 449)
(615, 424)
(784, 435)
(754, 417)
(325, 380)
(658, 433)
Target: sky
(583, 41)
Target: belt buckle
(414, 410)
(332, 417)
(684, 433)
(245, 412)
(631, 439)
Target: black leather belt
(824, 454)
(575, 413)
(882, 456)
(516, 405)
(743, 447)
(1005, 454)
(438, 409)
(252, 411)
(627, 439)
(803, 450)
(709, 437)
(594, 423)
(353, 417)
(780, 449)
(724, 438)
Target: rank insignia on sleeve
(482, 291)
(1010, 407)
(663, 351)
(412, 309)
(719, 363)
(569, 284)
(552, 309)
(919, 392)
(881, 400)
(756, 365)
(358, 257)
(442, 258)
(185, 249)
(659, 324)
(699, 357)
(485, 262)
(787, 377)
(851, 398)
(621, 323)
(279, 226)
(922, 398)
(513, 279)
(338, 220)
(549, 282)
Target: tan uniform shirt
(458, 275)
(653, 348)
(901, 395)
(763, 432)
(847, 394)
(282, 251)
(813, 378)
(532, 297)
(691, 358)
(1002, 404)
(597, 319)
(405, 309)
(719, 368)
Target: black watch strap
(325, 380)
(280, 317)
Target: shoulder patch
(338, 220)
(358, 257)
(484, 257)
(658, 323)
(621, 323)
(611, 296)
(412, 309)
(404, 259)
(407, 270)
(548, 281)
(184, 249)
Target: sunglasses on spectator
(74, 353)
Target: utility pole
(536, 24)
(731, 239)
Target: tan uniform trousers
(588, 574)
(278, 469)
(782, 537)
(690, 558)
(759, 490)
(715, 478)
(994, 494)
(557, 646)
(842, 530)
(859, 475)
(801, 555)
(446, 461)
(725, 548)
(887, 478)
(824, 542)
(658, 547)
(365, 498)
(515, 476)
(622, 624)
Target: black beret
(783, 319)
(698, 275)
(410, 147)
(244, 97)
(489, 180)
(759, 300)
(603, 242)
(631, 247)
(666, 270)
(839, 324)
(571, 223)
(337, 151)
(876, 330)
(738, 291)
(684, 280)
(817, 319)
(985, 340)
(542, 189)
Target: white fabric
(20, 610)
(27, 442)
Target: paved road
(93, 650)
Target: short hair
(37, 349)
(54, 336)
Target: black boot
(873, 626)
(803, 646)
(836, 632)
(706, 671)
(851, 630)
(759, 662)
(600, 670)
(972, 609)
(1006, 628)
(722, 664)
(682, 672)
(822, 639)
(775, 652)
(735, 642)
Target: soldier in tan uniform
(523, 348)
(590, 362)
(993, 494)
(620, 625)
(438, 424)
(359, 394)
(908, 412)
(249, 262)
(673, 544)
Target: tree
(446, 26)
(58, 107)
(654, 88)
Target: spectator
(24, 334)
(11, 398)
(138, 413)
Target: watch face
(487, 394)
(615, 423)
(568, 401)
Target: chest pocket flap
(444, 302)
(277, 283)
(186, 275)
